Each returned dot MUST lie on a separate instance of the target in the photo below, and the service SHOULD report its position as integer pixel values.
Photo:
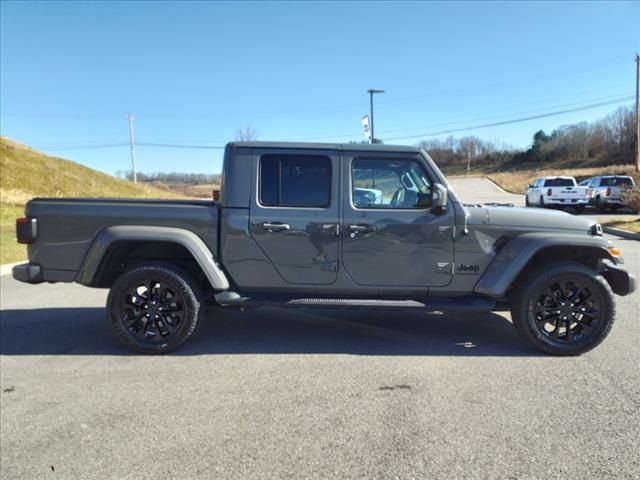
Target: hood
(533, 219)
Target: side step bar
(431, 304)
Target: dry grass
(631, 226)
(517, 181)
(26, 173)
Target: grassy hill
(26, 173)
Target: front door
(294, 213)
(388, 239)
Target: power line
(614, 101)
(621, 97)
(178, 145)
(98, 146)
(515, 120)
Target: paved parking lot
(311, 394)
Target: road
(311, 394)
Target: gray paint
(513, 258)
(187, 239)
(410, 253)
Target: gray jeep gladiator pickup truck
(303, 225)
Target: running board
(432, 304)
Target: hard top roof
(376, 147)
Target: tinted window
(616, 182)
(388, 183)
(559, 182)
(295, 181)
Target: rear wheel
(599, 205)
(563, 308)
(154, 308)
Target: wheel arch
(114, 244)
(522, 253)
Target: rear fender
(189, 240)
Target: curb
(6, 268)
(621, 233)
(502, 189)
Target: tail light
(608, 192)
(26, 230)
(549, 193)
(588, 192)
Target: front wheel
(154, 308)
(526, 201)
(563, 308)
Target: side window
(295, 181)
(385, 184)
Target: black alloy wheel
(154, 308)
(564, 308)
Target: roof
(376, 147)
(612, 176)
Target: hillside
(26, 173)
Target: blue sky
(193, 73)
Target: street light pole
(371, 91)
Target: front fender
(512, 259)
(186, 238)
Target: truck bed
(67, 227)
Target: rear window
(559, 182)
(295, 181)
(616, 182)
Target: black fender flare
(514, 257)
(189, 240)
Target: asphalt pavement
(311, 394)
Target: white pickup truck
(606, 191)
(556, 192)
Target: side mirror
(438, 196)
(530, 186)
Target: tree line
(172, 178)
(610, 141)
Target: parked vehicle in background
(328, 225)
(556, 192)
(606, 191)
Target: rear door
(294, 212)
(388, 240)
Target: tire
(547, 290)
(526, 201)
(171, 299)
(599, 206)
(541, 201)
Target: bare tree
(246, 134)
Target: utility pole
(637, 112)
(371, 92)
(133, 147)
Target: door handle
(275, 227)
(355, 229)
